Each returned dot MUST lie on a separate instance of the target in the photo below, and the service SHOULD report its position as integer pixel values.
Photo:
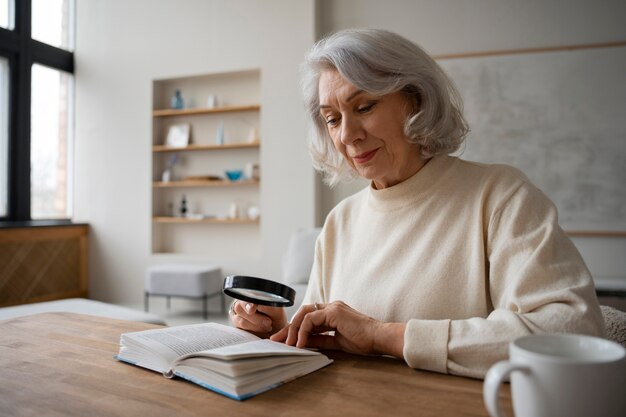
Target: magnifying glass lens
(260, 295)
(259, 291)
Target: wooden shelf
(204, 183)
(178, 220)
(191, 112)
(239, 114)
(163, 148)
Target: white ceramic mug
(561, 375)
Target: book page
(172, 342)
(257, 348)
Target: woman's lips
(364, 157)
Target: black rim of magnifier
(259, 284)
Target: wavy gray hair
(380, 62)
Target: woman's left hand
(354, 331)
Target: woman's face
(368, 130)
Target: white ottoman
(185, 280)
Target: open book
(224, 359)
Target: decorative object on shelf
(211, 101)
(253, 212)
(168, 174)
(252, 171)
(219, 137)
(234, 174)
(177, 101)
(178, 135)
(183, 206)
(233, 211)
(253, 135)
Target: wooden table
(61, 364)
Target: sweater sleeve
(537, 282)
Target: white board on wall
(560, 117)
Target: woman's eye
(331, 121)
(365, 108)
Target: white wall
(455, 26)
(121, 47)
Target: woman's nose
(351, 131)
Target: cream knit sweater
(469, 255)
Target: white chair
(297, 263)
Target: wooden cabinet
(189, 181)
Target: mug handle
(495, 376)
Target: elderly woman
(440, 261)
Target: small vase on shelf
(219, 137)
(167, 175)
(177, 101)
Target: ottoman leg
(205, 307)
(145, 301)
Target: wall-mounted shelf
(191, 112)
(196, 147)
(166, 219)
(204, 183)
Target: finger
(314, 322)
(292, 334)
(275, 313)
(281, 335)
(292, 337)
(302, 311)
(249, 308)
(251, 321)
(243, 309)
(244, 324)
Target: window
(6, 14)
(36, 109)
(51, 23)
(49, 144)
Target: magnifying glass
(259, 291)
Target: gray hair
(380, 62)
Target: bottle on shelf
(219, 137)
(168, 174)
(183, 206)
(177, 100)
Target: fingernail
(249, 308)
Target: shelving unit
(204, 183)
(210, 220)
(195, 147)
(188, 112)
(198, 174)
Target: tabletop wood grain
(61, 364)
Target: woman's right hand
(261, 320)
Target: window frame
(22, 52)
